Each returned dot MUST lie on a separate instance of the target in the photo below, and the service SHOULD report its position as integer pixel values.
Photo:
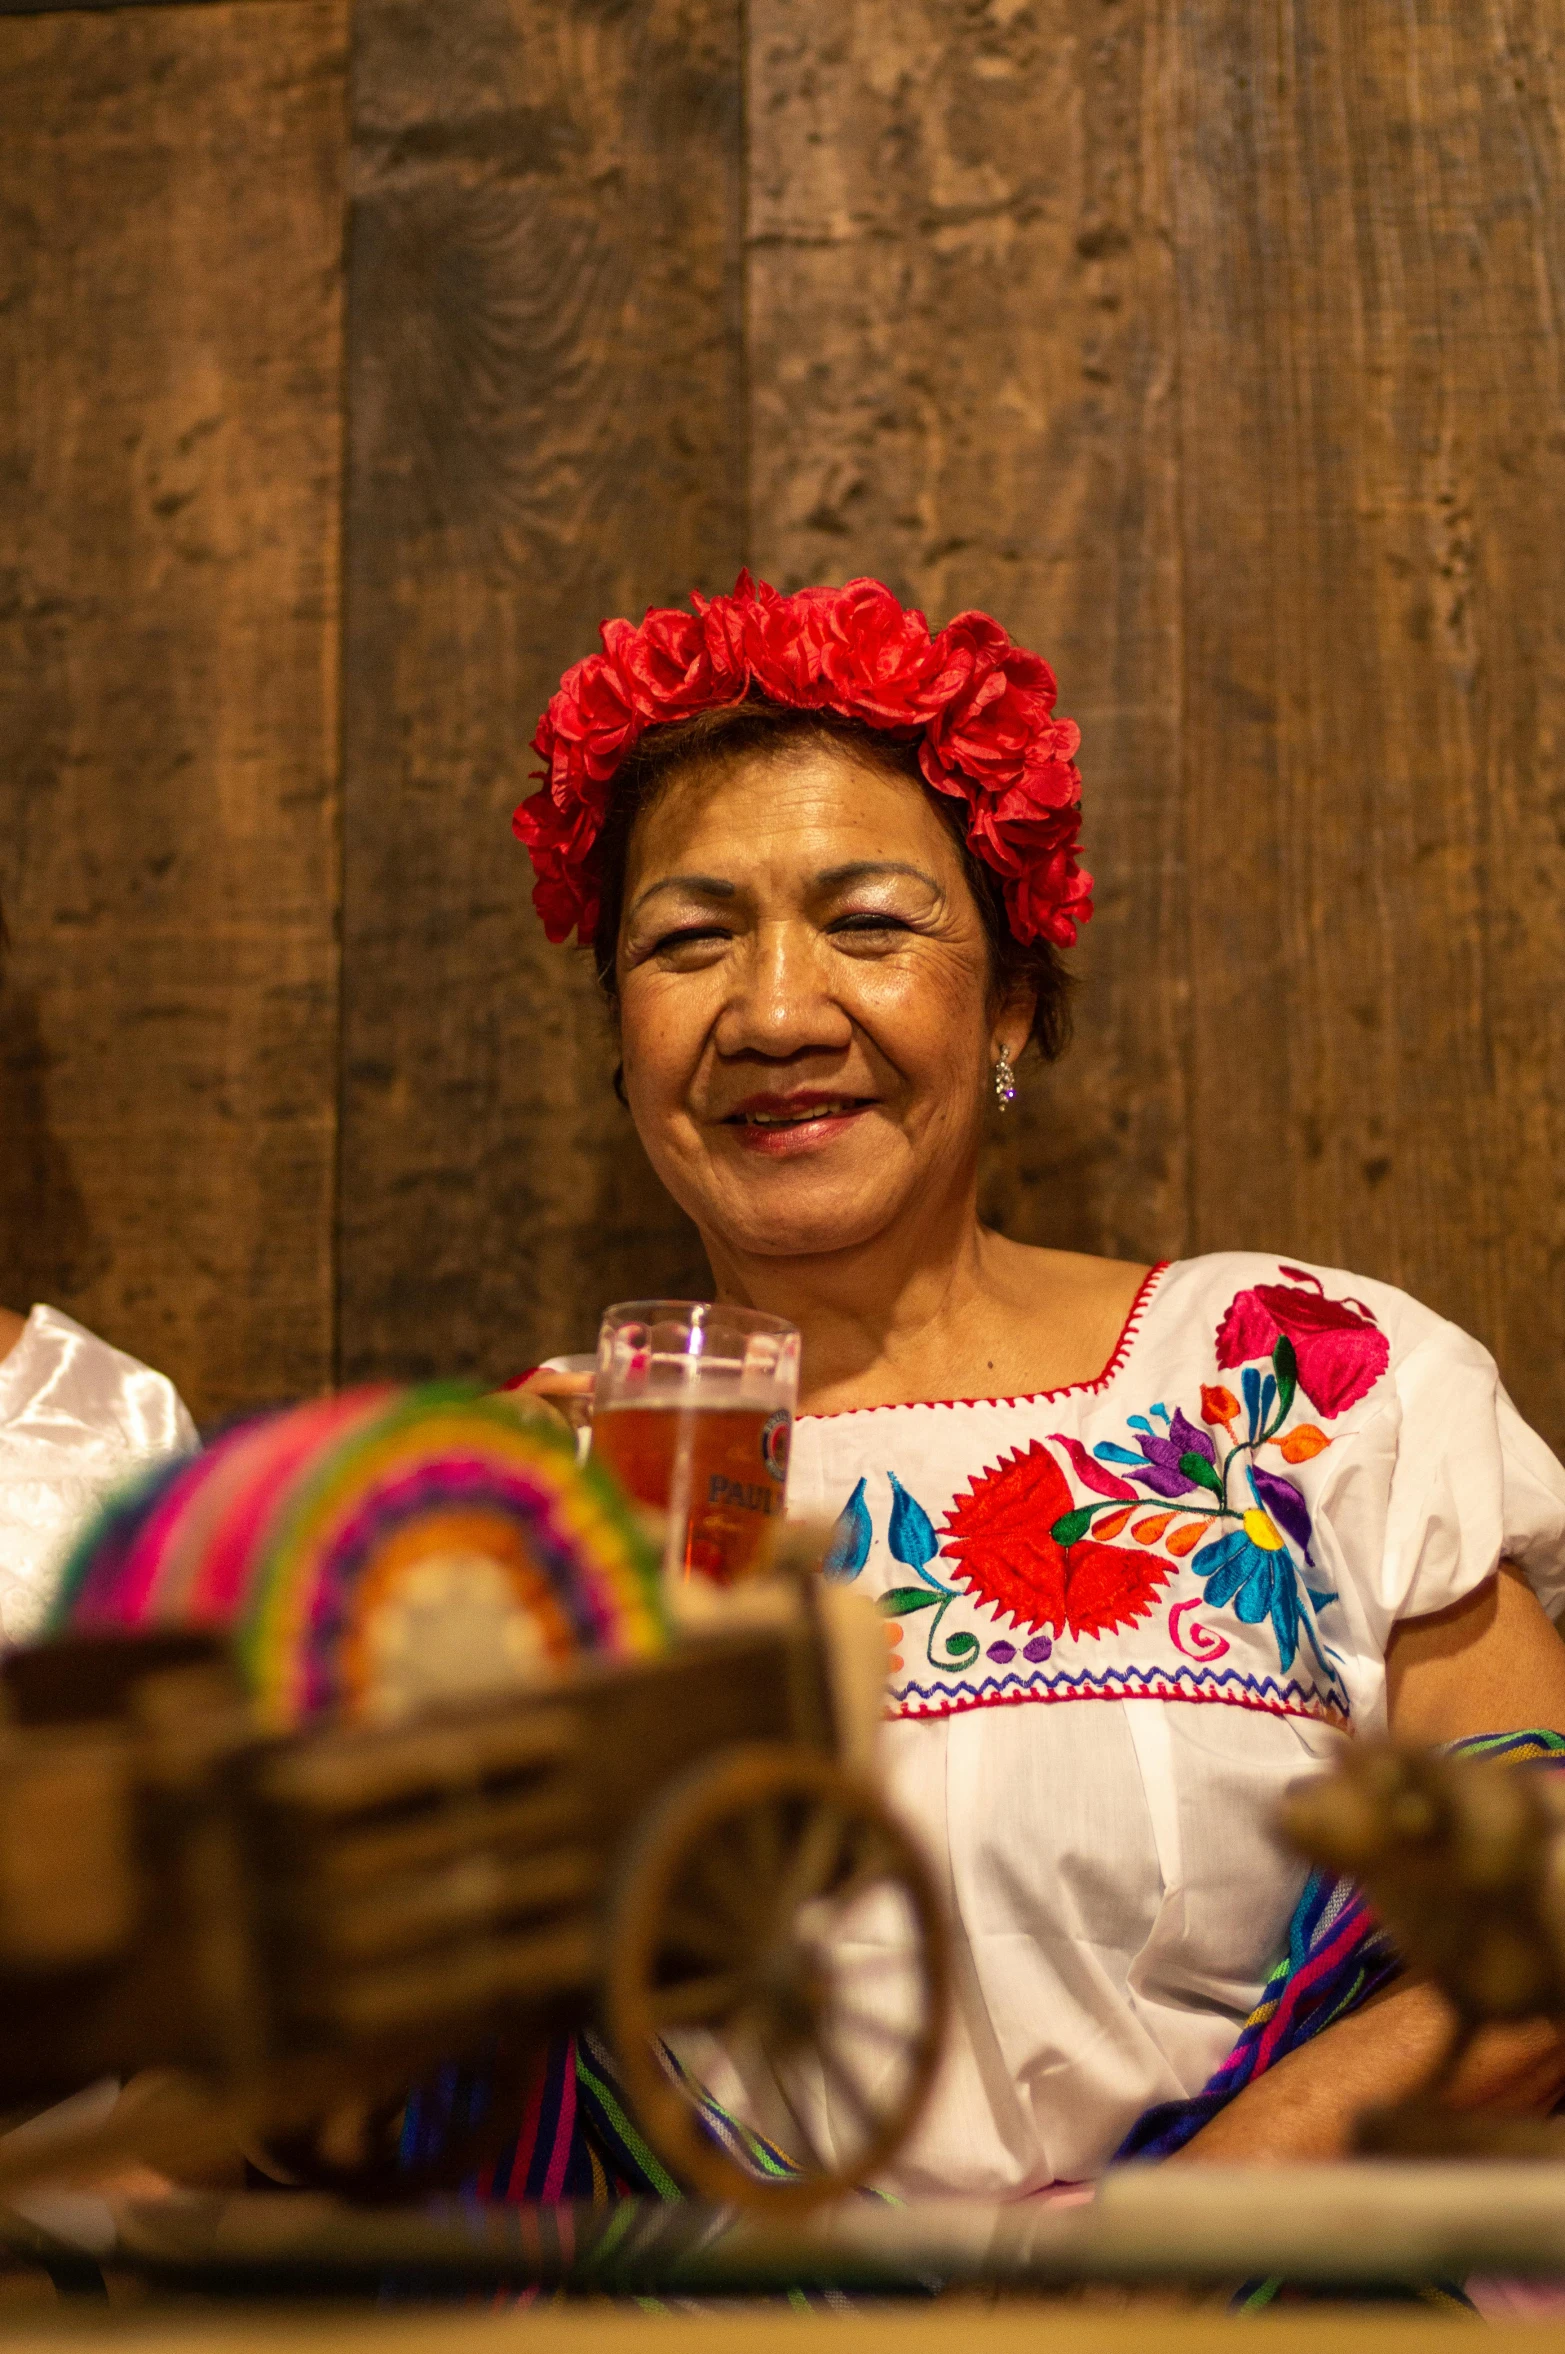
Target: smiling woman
(807, 1023)
(826, 861)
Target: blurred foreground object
(372, 1744)
(1463, 1862)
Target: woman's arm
(1492, 1663)
(1307, 2106)
(1489, 1664)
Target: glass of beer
(692, 1407)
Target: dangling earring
(1004, 1081)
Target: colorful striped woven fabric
(1338, 1956)
(576, 2138)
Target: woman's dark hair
(711, 738)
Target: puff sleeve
(1470, 1484)
(1440, 1484)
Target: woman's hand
(554, 1386)
(559, 1399)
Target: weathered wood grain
(169, 434)
(1219, 350)
(545, 381)
(961, 353)
(58, 7)
(1370, 240)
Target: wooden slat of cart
(1026, 2325)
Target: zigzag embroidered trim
(1222, 1688)
(1073, 1389)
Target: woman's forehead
(808, 808)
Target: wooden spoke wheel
(776, 1941)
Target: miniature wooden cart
(297, 1927)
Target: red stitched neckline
(1072, 1389)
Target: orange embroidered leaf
(1185, 1540)
(1218, 1404)
(1147, 1532)
(1112, 1522)
(998, 1536)
(1301, 1444)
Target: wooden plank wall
(170, 432)
(1217, 346)
(1369, 220)
(962, 348)
(547, 427)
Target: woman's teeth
(815, 1111)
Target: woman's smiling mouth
(782, 1124)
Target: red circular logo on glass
(774, 1445)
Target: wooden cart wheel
(776, 1936)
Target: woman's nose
(781, 1003)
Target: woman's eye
(688, 936)
(871, 921)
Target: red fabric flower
(665, 667)
(983, 707)
(1341, 1350)
(879, 660)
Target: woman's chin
(803, 1218)
(797, 1204)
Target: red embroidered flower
(984, 707)
(998, 1533)
(1341, 1350)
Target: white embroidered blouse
(76, 1418)
(1210, 1544)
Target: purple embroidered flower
(1163, 1464)
(1287, 1507)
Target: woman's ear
(1011, 1023)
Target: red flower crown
(983, 709)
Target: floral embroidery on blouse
(1198, 1510)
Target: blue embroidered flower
(912, 1535)
(850, 1540)
(914, 1543)
(1251, 1567)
